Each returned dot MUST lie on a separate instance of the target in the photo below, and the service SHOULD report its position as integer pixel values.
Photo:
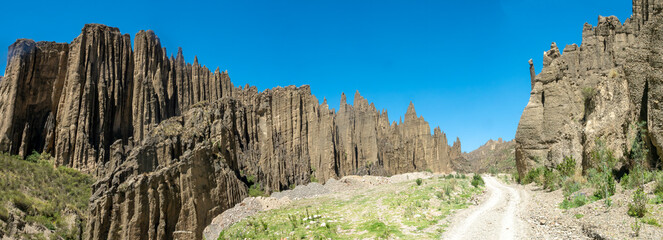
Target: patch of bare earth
(592, 221)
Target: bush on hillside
(533, 176)
(600, 176)
(570, 187)
(477, 180)
(639, 206)
(551, 180)
(658, 187)
(43, 192)
(567, 168)
(577, 200)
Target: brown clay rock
(595, 91)
(29, 95)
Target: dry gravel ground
(546, 220)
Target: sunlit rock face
(596, 91)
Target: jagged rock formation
(173, 144)
(496, 156)
(596, 90)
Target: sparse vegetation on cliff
(39, 194)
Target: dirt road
(497, 217)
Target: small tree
(637, 177)
(602, 178)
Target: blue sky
(462, 63)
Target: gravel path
(499, 215)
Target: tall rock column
(150, 84)
(95, 107)
(29, 94)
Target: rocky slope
(498, 156)
(172, 144)
(597, 90)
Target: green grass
(366, 214)
(379, 229)
(651, 221)
(42, 191)
(578, 215)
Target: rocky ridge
(173, 144)
(597, 91)
(498, 156)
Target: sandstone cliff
(596, 90)
(173, 144)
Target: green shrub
(603, 182)
(251, 179)
(34, 157)
(625, 181)
(638, 175)
(567, 168)
(577, 200)
(533, 176)
(570, 187)
(4, 214)
(588, 93)
(639, 206)
(601, 176)
(419, 181)
(439, 194)
(658, 199)
(22, 202)
(313, 178)
(256, 191)
(651, 221)
(636, 227)
(658, 186)
(477, 180)
(551, 180)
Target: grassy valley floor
(411, 209)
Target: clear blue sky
(462, 63)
